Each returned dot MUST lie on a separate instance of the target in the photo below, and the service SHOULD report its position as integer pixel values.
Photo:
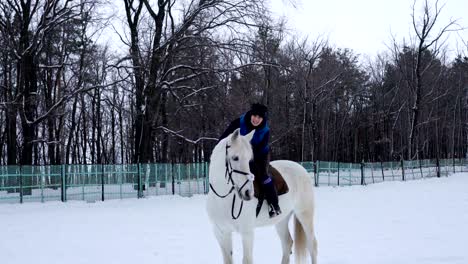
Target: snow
(421, 221)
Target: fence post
(205, 183)
(21, 183)
(402, 170)
(197, 169)
(350, 176)
(42, 182)
(179, 181)
(165, 177)
(129, 168)
(453, 163)
(207, 176)
(102, 182)
(83, 181)
(65, 196)
(62, 182)
(338, 179)
(391, 169)
(420, 168)
(447, 167)
(363, 182)
(437, 166)
(187, 172)
(156, 168)
(316, 173)
(173, 178)
(139, 181)
(381, 168)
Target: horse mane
(219, 149)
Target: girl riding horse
(257, 118)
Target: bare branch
(178, 135)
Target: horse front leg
(247, 245)
(225, 242)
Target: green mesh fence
(344, 174)
(181, 179)
(30, 183)
(10, 182)
(102, 182)
(337, 173)
(411, 170)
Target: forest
(191, 66)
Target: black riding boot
(271, 196)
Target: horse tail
(300, 242)
(304, 235)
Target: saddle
(278, 181)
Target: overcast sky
(365, 26)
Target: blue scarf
(258, 135)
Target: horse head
(238, 156)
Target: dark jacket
(260, 140)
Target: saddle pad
(278, 181)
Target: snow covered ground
(423, 221)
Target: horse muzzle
(246, 194)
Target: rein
(228, 175)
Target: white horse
(230, 177)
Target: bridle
(228, 175)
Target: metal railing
(100, 182)
(345, 174)
(90, 183)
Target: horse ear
(235, 135)
(250, 135)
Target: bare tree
(426, 38)
(308, 53)
(31, 27)
(172, 35)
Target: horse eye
(235, 158)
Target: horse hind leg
(306, 222)
(225, 242)
(286, 241)
(314, 247)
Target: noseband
(228, 175)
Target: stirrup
(274, 211)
